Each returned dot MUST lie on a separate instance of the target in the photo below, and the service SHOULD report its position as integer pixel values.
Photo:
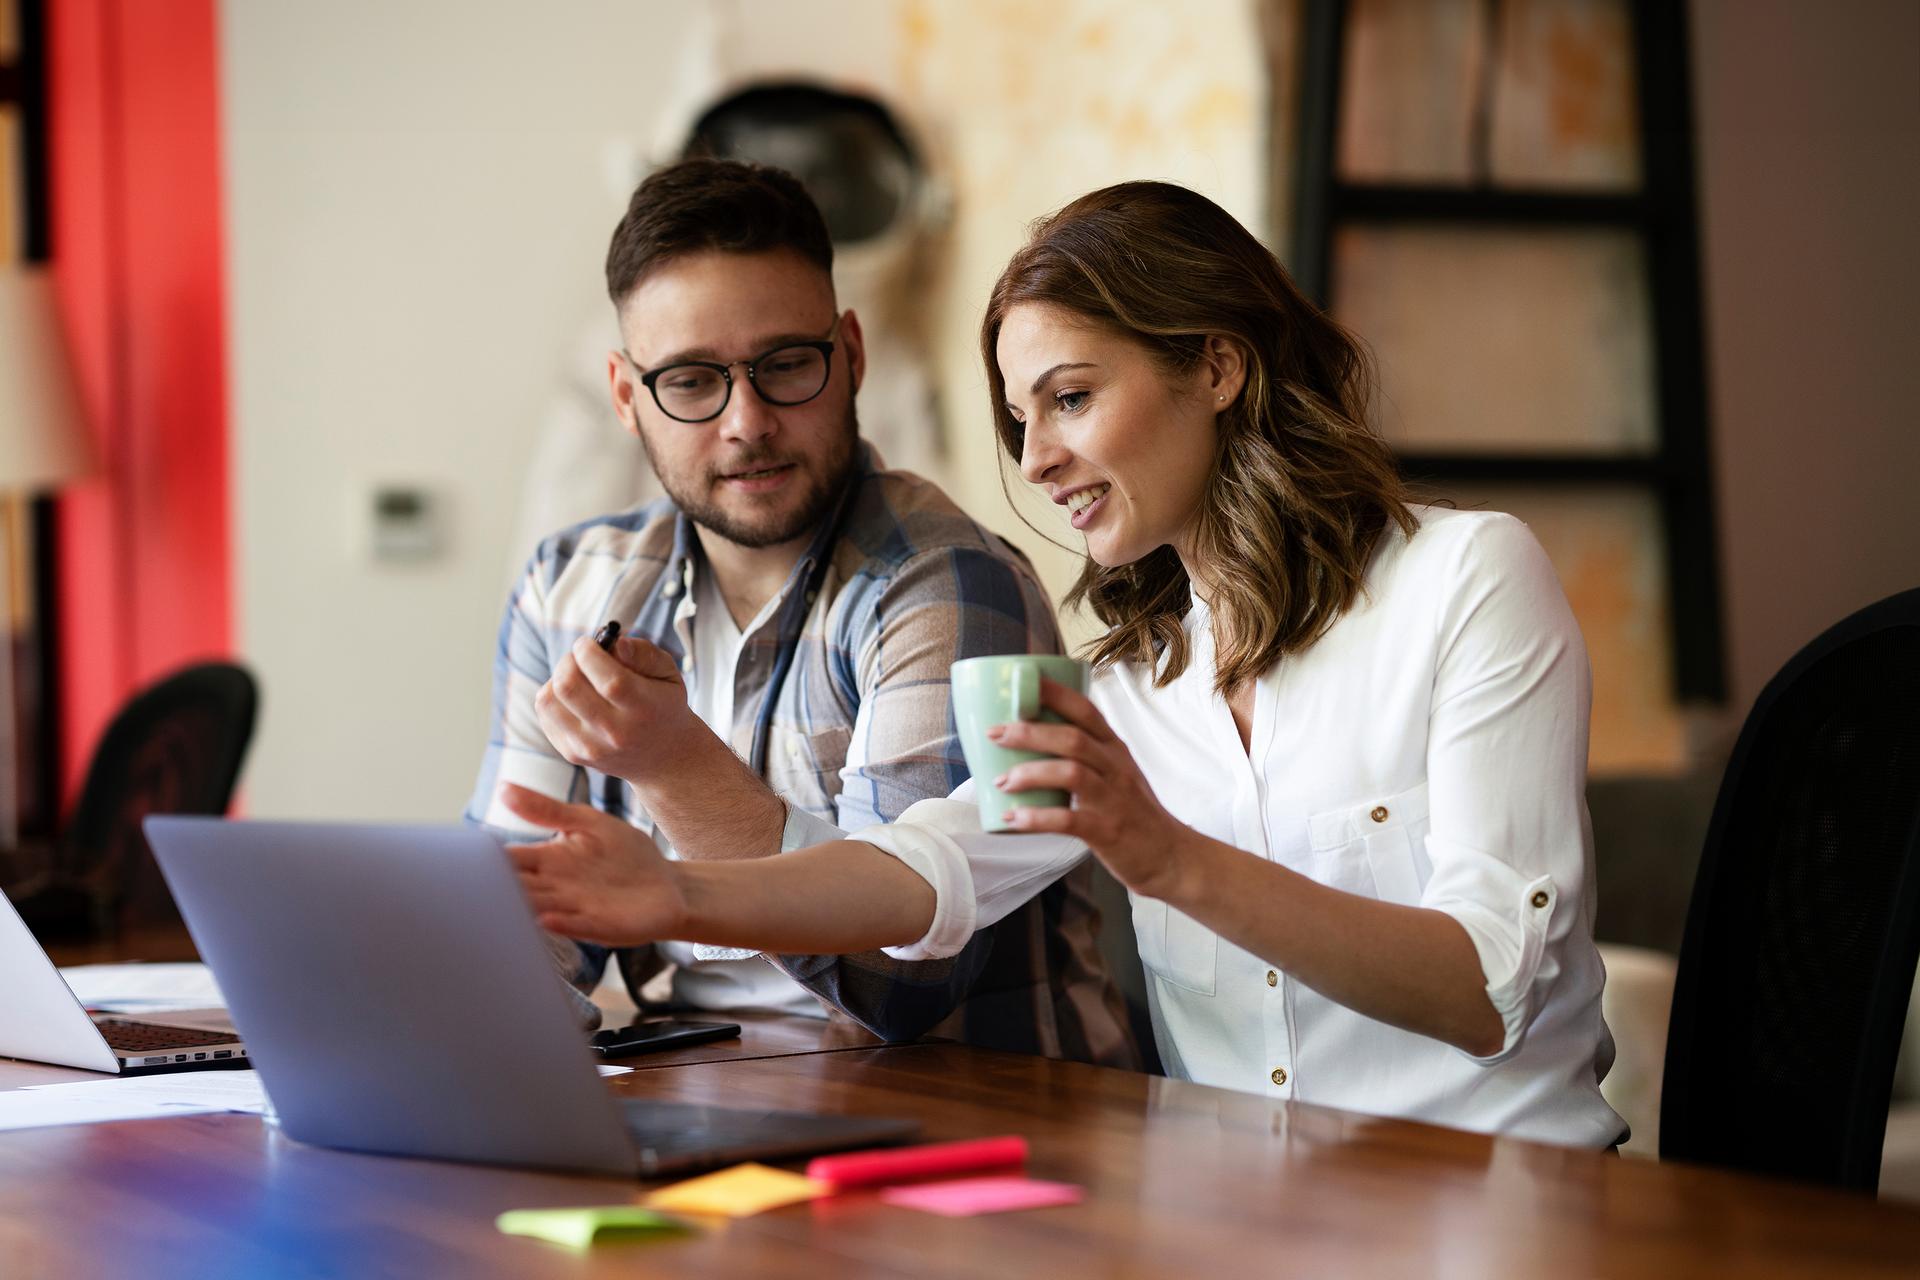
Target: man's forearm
(711, 805)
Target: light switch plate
(405, 523)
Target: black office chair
(176, 747)
(1804, 929)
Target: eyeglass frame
(825, 346)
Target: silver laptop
(41, 1020)
(397, 998)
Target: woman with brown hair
(1335, 745)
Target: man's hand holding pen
(617, 704)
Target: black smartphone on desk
(661, 1033)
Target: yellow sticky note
(579, 1228)
(738, 1192)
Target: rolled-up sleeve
(517, 749)
(1509, 842)
(977, 878)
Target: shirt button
(1273, 979)
(1379, 813)
(686, 663)
(671, 590)
(1540, 898)
(1279, 1075)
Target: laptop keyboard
(139, 1037)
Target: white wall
(418, 207)
(416, 221)
(1809, 164)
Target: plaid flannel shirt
(898, 585)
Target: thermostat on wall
(406, 523)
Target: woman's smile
(1083, 504)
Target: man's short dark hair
(702, 204)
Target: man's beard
(771, 531)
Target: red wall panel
(134, 158)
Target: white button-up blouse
(1430, 750)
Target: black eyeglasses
(698, 390)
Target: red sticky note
(965, 1197)
(904, 1164)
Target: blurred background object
(176, 747)
(1499, 195)
(1803, 932)
(43, 443)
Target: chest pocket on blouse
(1175, 946)
(1375, 846)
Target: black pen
(606, 635)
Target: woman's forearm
(831, 899)
(1411, 967)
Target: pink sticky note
(964, 1197)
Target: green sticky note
(578, 1228)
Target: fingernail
(1000, 783)
(1009, 818)
(997, 732)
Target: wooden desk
(1182, 1180)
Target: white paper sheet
(22, 1109)
(199, 1090)
(144, 988)
(38, 1108)
(181, 1093)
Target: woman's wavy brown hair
(1301, 489)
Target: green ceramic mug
(998, 690)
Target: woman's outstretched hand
(1112, 808)
(597, 879)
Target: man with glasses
(791, 610)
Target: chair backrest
(176, 747)
(1804, 928)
